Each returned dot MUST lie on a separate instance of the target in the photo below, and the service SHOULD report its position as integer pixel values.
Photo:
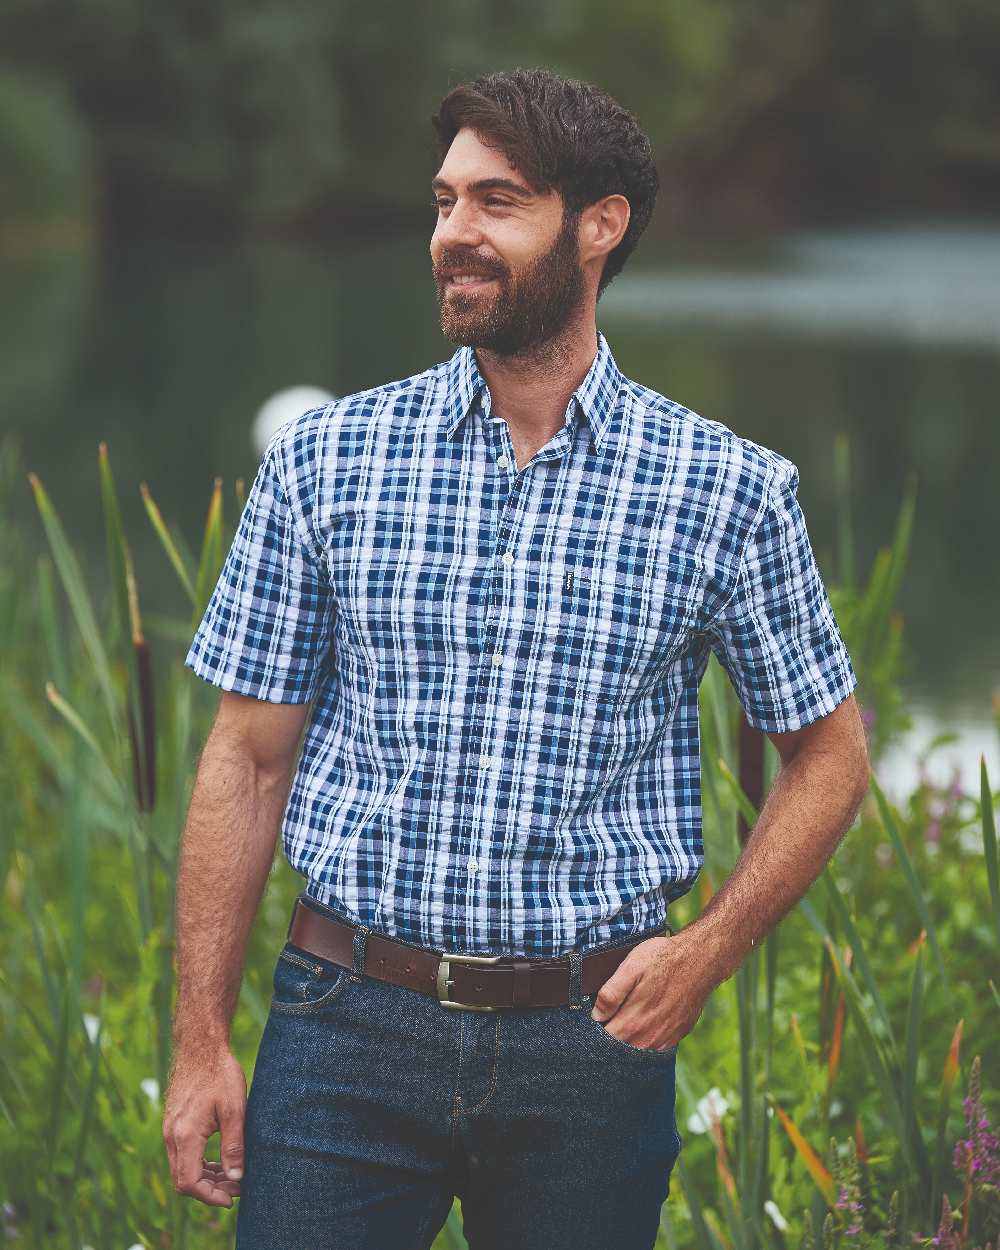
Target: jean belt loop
(360, 939)
(575, 979)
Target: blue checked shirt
(502, 755)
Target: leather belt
(468, 982)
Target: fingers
(189, 1165)
(216, 1173)
(208, 1192)
(613, 992)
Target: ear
(602, 225)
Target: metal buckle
(443, 980)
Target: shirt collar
(596, 395)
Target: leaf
(74, 585)
(749, 812)
(815, 1166)
(210, 562)
(990, 843)
(910, 877)
(948, 1075)
(169, 546)
(858, 949)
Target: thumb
(614, 991)
(231, 1139)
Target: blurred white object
(712, 1107)
(777, 1219)
(283, 407)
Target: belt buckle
(443, 981)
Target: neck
(531, 390)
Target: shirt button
(498, 658)
(508, 558)
(503, 461)
(473, 866)
(485, 761)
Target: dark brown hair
(560, 134)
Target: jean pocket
(654, 1056)
(305, 983)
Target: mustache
(464, 262)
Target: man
(497, 585)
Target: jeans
(372, 1106)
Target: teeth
(463, 278)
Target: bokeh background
(202, 204)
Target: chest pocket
(619, 629)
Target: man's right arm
(226, 854)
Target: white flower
(712, 1107)
(836, 1106)
(779, 1221)
(91, 1024)
(151, 1088)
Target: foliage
(846, 1026)
(46, 163)
(217, 117)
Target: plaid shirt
(503, 753)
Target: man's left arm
(658, 992)
(777, 638)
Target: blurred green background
(204, 204)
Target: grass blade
(169, 546)
(860, 956)
(912, 881)
(948, 1075)
(747, 809)
(74, 585)
(815, 1166)
(990, 843)
(210, 563)
(115, 540)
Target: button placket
(502, 499)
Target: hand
(207, 1094)
(654, 995)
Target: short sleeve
(777, 636)
(265, 631)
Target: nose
(459, 227)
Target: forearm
(226, 854)
(812, 803)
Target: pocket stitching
(314, 1004)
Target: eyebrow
(487, 184)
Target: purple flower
(977, 1155)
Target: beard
(527, 309)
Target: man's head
(545, 186)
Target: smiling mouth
(467, 281)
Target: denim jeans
(372, 1106)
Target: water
(890, 335)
